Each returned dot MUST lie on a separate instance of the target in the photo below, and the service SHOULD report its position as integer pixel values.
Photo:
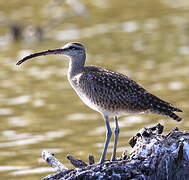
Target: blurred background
(147, 40)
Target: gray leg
(107, 140)
(116, 132)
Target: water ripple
(9, 168)
(6, 111)
(29, 138)
(33, 171)
(16, 100)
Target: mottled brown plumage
(118, 94)
(108, 92)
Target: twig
(76, 162)
(91, 159)
(52, 161)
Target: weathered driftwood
(154, 157)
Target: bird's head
(69, 50)
(73, 49)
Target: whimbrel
(108, 92)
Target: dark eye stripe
(74, 48)
(77, 44)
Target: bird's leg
(107, 140)
(116, 133)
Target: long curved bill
(43, 53)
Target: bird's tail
(172, 115)
(168, 110)
(174, 109)
(165, 108)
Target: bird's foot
(102, 161)
(113, 159)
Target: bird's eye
(72, 48)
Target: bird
(108, 92)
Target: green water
(147, 40)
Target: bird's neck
(76, 65)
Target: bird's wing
(118, 90)
(113, 89)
